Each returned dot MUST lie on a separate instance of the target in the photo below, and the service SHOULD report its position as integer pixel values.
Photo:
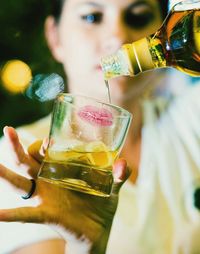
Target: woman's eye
(91, 18)
(138, 21)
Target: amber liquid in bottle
(177, 43)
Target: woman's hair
(57, 6)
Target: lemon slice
(96, 146)
(95, 153)
(70, 150)
(99, 154)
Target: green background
(22, 37)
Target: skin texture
(97, 39)
(78, 213)
(86, 31)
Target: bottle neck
(138, 56)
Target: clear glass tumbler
(86, 137)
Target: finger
(13, 141)
(37, 150)
(22, 214)
(21, 183)
(120, 173)
(17, 150)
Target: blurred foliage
(22, 37)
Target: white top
(16, 235)
(155, 216)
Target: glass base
(82, 178)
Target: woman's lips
(96, 116)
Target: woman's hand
(82, 214)
(27, 164)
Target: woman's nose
(117, 35)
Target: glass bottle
(176, 44)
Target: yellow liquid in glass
(86, 171)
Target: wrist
(94, 243)
(100, 244)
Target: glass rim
(126, 112)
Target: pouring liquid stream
(108, 90)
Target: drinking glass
(86, 137)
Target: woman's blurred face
(90, 29)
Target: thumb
(120, 173)
(36, 150)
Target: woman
(156, 213)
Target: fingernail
(5, 128)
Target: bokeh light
(15, 76)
